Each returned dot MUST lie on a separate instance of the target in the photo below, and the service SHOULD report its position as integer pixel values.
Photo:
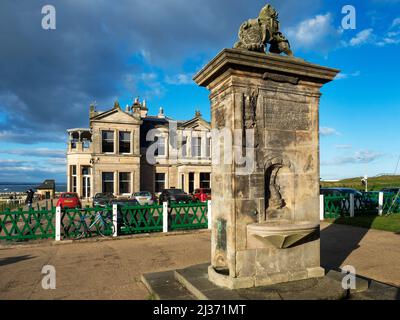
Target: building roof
(47, 184)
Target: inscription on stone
(286, 115)
(221, 234)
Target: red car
(202, 194)
(69, 200)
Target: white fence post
(209, 215)
(58, 223)
(321, 207)
(115, 219)
(351, 205)
(165, 216)
(380, 203)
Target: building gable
(196, 123)
(116, 116)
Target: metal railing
(350, 205)
(48, 223)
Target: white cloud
(179, 79)
(37, 152)
(148, 76)
(387, 41)
(395, 23)
(343, 146)
(362, 37)
(361, 156)
(341, 76)
(326, 131)
(318, 32)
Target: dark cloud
(37, 152)
(48, 78)
(28, 170)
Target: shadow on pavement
(11, 260)
(338, 242)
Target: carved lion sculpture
(255, 34)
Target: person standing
(29, 201)
(29, 198)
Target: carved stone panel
(219, 118)
(286, 115)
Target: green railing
(391, 203)
(86, 222)
(188, 216)
(336, 206)
(140, 219)
(92, 222)
(367, 204)
(28, 224)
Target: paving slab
(163, 286)
(194, 280)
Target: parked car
(123, 202)
(174, 195)
(69, 200)
(102, 199)
(202, 194)
(144, 197)
(340, 191)
(391, 190)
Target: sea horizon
(6, 186)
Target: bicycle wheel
(105, 228)
(79, 236)
(78, 232)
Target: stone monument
(265, 224)
(265, 210)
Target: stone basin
(282, 233)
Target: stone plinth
(276, 99)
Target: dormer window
(107, 141)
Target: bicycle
(101, 223)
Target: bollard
(321, 208)
(115, 220)
(165, 216)
(352, 205)
(58, 223)
(380, 203)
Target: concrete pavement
(112, 269)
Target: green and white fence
(58, 224)
(349, 205)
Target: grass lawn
(386, 223)
(374, 183)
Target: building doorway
(191, 182)
(86, 182)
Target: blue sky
(102, 51)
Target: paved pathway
(111, 269)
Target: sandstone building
(124, 151)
